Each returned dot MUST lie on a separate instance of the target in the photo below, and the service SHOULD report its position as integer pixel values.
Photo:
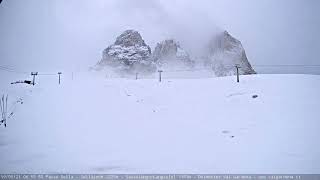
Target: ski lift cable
(286, 65)
(12, 71)
(47, 74)
(3, 68)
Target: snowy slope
(211, 125)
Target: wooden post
(34, 77)
(160, 71)
(59, 73)
(136, 76)
(237, 67)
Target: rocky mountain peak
(128, 53)
(170, 52)
(223, 41)
(225, 52)
(166, 49)
(130, 38)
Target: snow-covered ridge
(128, 53)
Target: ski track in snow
(211, 125)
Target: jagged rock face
(129, 53)
(169, 53)
(130, 38)
(224, 53)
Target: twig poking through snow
(4, 109)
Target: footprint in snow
(227, 132)
(140, 100)
(236, 94)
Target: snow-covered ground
(211, 125)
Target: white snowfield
(212, 125)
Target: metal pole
(34, 77)
(59, 73)
(160, 71)
(237, 67)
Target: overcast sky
(54, 35)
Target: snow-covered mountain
(168, 54)
(224, 52)
(130, 54)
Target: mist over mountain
(150, 89)
(225, 52)
(168, 54)
(130, 54)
